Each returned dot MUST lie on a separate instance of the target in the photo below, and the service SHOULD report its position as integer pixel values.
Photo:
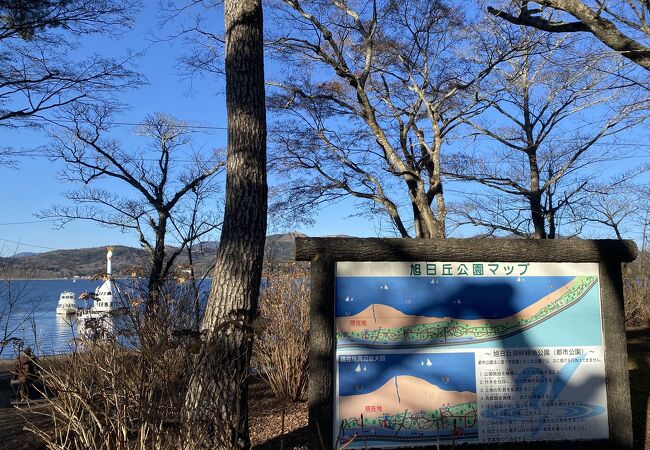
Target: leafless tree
(642, 216)
(613, 206)
(373, 91)
(216, 408)
(37, 74)
(168, 183)
(16, 306)
(192, 23)
(197, 219)
(622, 26)
(548, 112)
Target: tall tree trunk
(436, 191)
(537, 215)
(535, 194)
(216, 403)
(552, 227)
(196, 294)
(420, 228)
(156, 277)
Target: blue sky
(34, 185)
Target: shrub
(637, 294)
(281, 349)
(126, 390)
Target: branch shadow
(295, 439)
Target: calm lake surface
(35, 320)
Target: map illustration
(414, 398)
(445, 353)
(388, 312)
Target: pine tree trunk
(216, 403)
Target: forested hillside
(90, 262)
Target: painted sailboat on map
(441, 311)
(406, 399)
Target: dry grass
(122, 392)
(108, 397)
(637, 305)
(636, 284)
(282, 348)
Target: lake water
(35, 320)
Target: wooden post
(321, 352)
(618, 382)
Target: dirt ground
(266, 412)
(265, 419)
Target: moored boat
(67, 304)
(106, 295)
(96, 321)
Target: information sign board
(469, 352)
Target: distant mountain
(23, 254)
(281, 247)
(89, 262)
(84, 262)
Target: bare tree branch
(162, 186)
(592, 19)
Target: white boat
(95, 325)
(96, 321)
(106, 295)
(66, 303)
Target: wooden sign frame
(323, 253)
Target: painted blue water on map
(458, 297)
(448, 371)
(582, 318)
(35, 320)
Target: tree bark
(156, 276)
(216, 403)
(537, 215)
(535, 195)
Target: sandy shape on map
(378, 316)
(415, 394)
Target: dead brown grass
(282, 348)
